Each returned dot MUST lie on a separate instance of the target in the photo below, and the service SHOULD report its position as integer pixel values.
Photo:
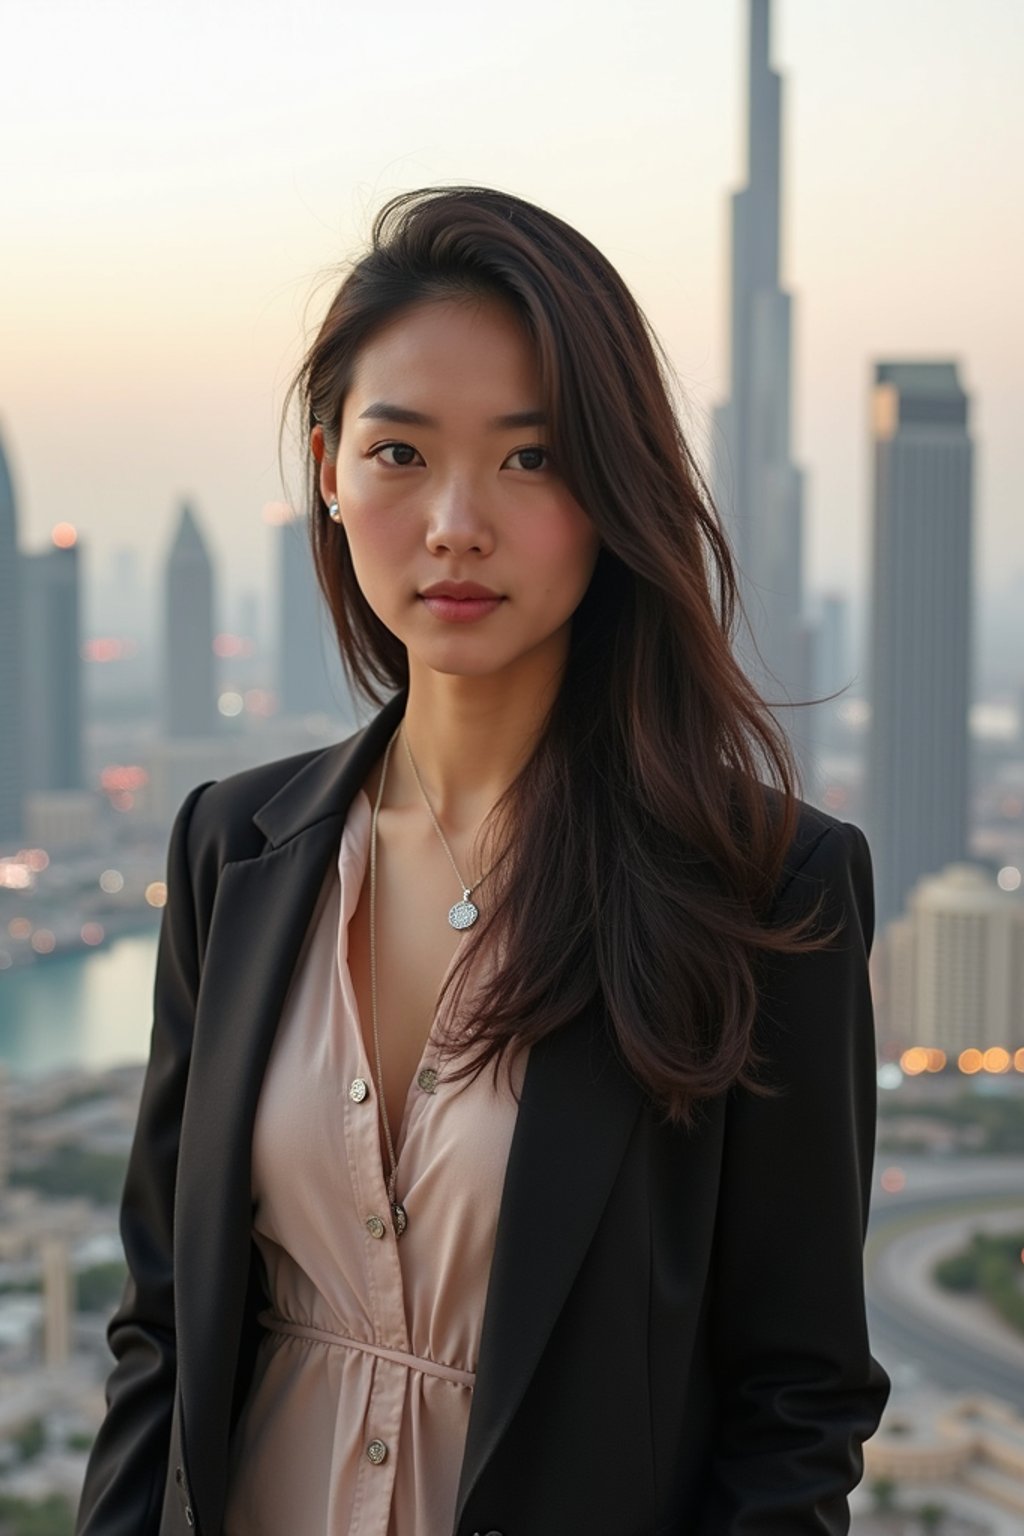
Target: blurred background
(819, 207)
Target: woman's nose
(458, 523)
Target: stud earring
(333, 510)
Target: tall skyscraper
(310, 676)
(757, 487)
(52, 663)
(189, 691)
(12, 723)
(917, 789)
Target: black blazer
(674, 1339)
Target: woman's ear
(328, 469)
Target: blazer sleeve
(124, 1482)
(799, 1389)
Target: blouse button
(358, 1090)
(376, 1451)
(375, 1226)
(427, 1079)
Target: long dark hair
(662, 790)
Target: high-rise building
(57, 1300)
(954, 967)
(311, 679)
(52, 663)
(189, 680)
(757, 487)
(919, 668)
(12, 721)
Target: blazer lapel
(577, 1110)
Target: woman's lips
(461, 610)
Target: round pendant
(464, 913)
(399, 1217)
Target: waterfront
(84, 1011)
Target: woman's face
(434, 488)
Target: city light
(64, 535)
(108, 648)
(996, 1059)
(122, 776)
(230, 704)
(232, 645)
(277, 513)
(921, 1058)
(112, 881)
(970, 1061)
(14, 875)
(1009, 878)
(893, 1180)
(156, 893)
(92, 933)
(260, 701)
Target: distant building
(917, 786)
(57, 1301)
(757, 486)
(189, 680)
(12, 726)
(310, 678)
(833, 669)
(954, 965)
(972, 1442)
(52, 664)
(5, 1128)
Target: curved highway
(920, 1334)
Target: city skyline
(163, 259)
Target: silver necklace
(465, 912)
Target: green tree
(883, 1491)
(932, 1516)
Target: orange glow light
(232, 645)
(970, 1060)
(121, 776)
(92, 933)
(936, 1059)
(1018, 1059)
(996, 1059)
(275, 513)
(65, 535)
(914, 1061)
(893, 1180)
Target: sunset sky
(176, 184)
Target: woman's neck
(469, 738)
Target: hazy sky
(175, 183)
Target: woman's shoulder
(821, 844)
(235, 817)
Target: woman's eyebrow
(382, 411)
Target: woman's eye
(530, 454)
(398, 447)
(532, 451)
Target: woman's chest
(398, 957)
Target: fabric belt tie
(269, 1319)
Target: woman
(504, 1153)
